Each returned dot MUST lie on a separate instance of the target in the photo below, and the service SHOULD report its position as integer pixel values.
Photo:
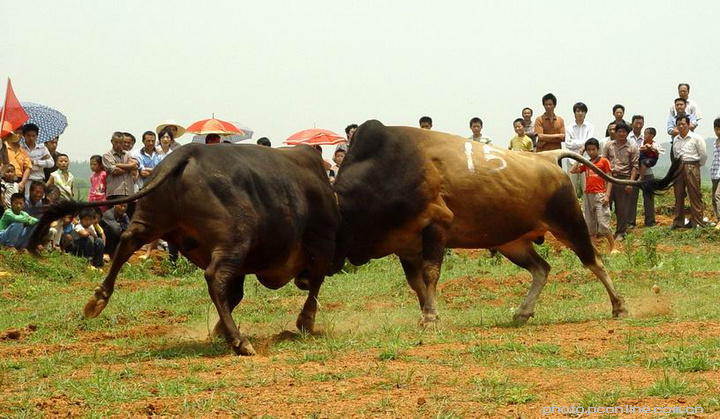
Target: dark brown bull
(232, 210)
(414, 192)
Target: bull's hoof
(97, 303)
(619, 312)
(218, 331)
(520, 319)
(243, 347)
(305, 324)
(302, 283)
(429, 321)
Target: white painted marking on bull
(488, 154)
(469, 154)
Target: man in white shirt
(690, 148)
(476, 125)
(692, 108)
(38, 153)
(575, 137)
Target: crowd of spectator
(36, 175)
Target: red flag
(13, 114)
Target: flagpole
(2, 117)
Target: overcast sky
(279, 67)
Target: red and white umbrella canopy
(213, 126)
(315, 137)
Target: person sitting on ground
(520, 142)
(36, 201)
(649, 151)
(85, 241)
(114, 222)
(16, 225)
(9, 184)
(596, 199)
(63, 239)
(264, 141)
(62, 178)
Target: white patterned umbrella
(248, 133)
(51, 122)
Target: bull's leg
(306, 319)
(522, 253)
(583, 247)
(235, 293)
(433, 249)
(131, 240)
(223, 269)
(414, 277)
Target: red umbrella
(213, 126)
(315, 137)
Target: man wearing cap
(176, 129)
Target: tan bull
(414, 192)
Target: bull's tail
(63, 208)
(653, 186)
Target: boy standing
(425, 122)
(520, 142)
(15, 224)
(596, 199)
(62, 178)
(476, 126)
(9, 185)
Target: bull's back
(501, 196)
(229, 196)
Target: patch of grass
(669, 386)
(500, 390)
(599, 398)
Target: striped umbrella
(51, 122)
(234, 138)
(213, 126)
(315, 137)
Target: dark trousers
(648, 205)
(688, 184)
(90, 248)
(623, 204)
(113, 239)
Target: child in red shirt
(596, 206)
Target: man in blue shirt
(147, 158)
